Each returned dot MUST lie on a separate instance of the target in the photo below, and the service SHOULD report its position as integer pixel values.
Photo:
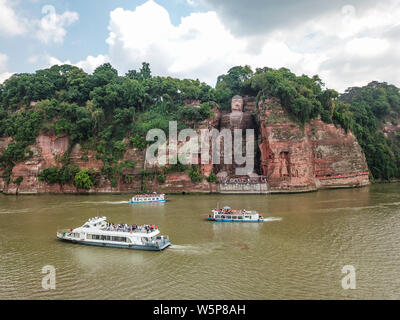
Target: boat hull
(231, 220)
(121, 246)
(159, 201)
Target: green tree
(82, 180)
(50, 175)
(237, 80)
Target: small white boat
(98, 232)
(229, 215)
(148, 198)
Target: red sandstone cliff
(293, 159)
(303, 159)
(46, 151)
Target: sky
(347, 43)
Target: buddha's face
(237, 105)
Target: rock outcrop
(292, 158)
(320, 155)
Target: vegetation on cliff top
(100, 110)
(365, 111)
(375, 108)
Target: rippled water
(297, 254)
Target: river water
(299, 254)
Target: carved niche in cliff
(284, 164)
(238, 118)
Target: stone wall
(230, 188)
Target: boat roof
(94, 225)
(238, 212)
(95, 220)
(149, 194)
(99, 231)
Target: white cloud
(91, 63)
(4, 74)
(367, 46)
(54, 61)
(192, 3)
(51, 28)
(200, 46)
(10, 23)
(88, 65)
(344, 46)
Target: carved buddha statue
(238, 118)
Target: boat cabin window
(107, 238)
(118, 239)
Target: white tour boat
(98, 232)
(147, 198)
(228, 215)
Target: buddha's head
(237, 104)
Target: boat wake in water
(191, 249)
(104, 202)
(272, 219)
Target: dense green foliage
(86, 179)
(194, 173)
(301, 96)
(365, 111)
(62, 176)
(372, 107)
(98, 111)
(212, 177)
(108, 113)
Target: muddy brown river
(299, 254)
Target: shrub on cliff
(64, 175)
(83, 181)
(67, 174)
(195, 114)
(194, 173)
(50, 175)
(212, 178)
(18, 181)
(161, 178)
(138, 142)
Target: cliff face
(293, 159)
(304, 159)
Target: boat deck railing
(161, 241)
(237, 213)
(129, 230)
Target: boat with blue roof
(148, 198)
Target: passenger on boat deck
(128, 228)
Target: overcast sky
(347, 43)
